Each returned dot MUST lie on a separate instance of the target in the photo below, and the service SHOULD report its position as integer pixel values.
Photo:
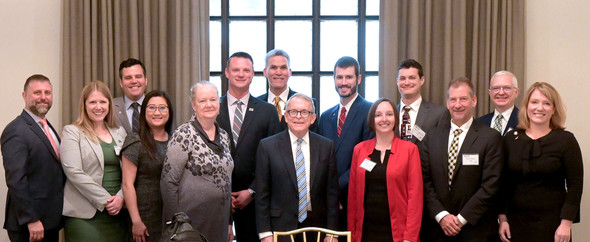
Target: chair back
(313, 230)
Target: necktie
(341, 120)
(498, 123)
(406, 126)
(301, 182)
(238, 118)
(278, 106)
(453, 151)
(48, 134)
(135, 117)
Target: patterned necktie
(406, 126)
(453, 151)
(498, 123)
(301, 182)
(48, 134)
(135, 117)
(341, 120)
(237, 124)
(278, 106)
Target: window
(315, 33)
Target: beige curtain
(451, 38)
(170, 37)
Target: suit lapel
(96, 149)
(314, 160)
(333, 119)
(421, 117)
(286, 152)
(249, 113)
(121, 113)
(40, 133)
(512, 122)
(470, 138)
(223, 120)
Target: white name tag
(368, 165)
(470, 159)
(418, 132)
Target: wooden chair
(319, 231)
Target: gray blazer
(83, 163)
(121, 114)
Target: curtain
(452, 38)
(170, 37)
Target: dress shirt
(129, 109)
(231, 106)
(505, 117)
(283, 103)
(38, 120)
(414, 107)
(347, 106)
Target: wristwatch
(252, 192)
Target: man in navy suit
(34, 175)
(503, 93)
(249, 120)
(461, 167)
(278, 71)
(294, 159)
(346, 123)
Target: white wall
(558, 52)
(30, 44)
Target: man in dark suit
(249, 120)
(278, 71)
(34, 175)
(133, 81)
(503, 93)
(420, 115)
(461, 166)
(346, 124)
(296, 175)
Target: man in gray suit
(416, 116)
(133, 81)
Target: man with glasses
(288, 165)
(503, 93)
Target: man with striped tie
(296, 177)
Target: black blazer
(512, 121)
(314, 125)
(34, 176)
(260, 121)
(429, 116)
(277, 196)
(474, 187)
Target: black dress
(377, 223)
(537, 173)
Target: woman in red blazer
(385, 189)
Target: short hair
(504, 73)
(373, 109)
(347, 61)
(83, 121)
(557, 120)
(35, 77)
(304, 97)
(276, 52)
(144, 132)
(199, 85)
(240, 54)
(455, 83)
(411, 63)
(129, 63)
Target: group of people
(412, 171)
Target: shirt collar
(284, 96)
(294, 138)
(35, 117)
(128, 101)
(415, 105)
(506, 114)
(231, 99)
(349, 104)
(465, 127)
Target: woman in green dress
(93, 199)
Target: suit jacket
(277, 195)
(284, 126)
(121, 114)
(34, 176)
(260, 121)
(83, 164)
(473, 188)
(404, 190)
(512, 121)
(429, 116)
(354, 131)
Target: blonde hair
(557, 120)
(83, 121)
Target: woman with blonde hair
(89, 152)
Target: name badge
(470, 159)
(418, 132)
(368, 165)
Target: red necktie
(48, 134)
(341, 120)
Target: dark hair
(144, 132)
(129, 63)
(347, 61)
(36, 77)
(460, 81)
(371, 116)
(411, 63)
(240, 54)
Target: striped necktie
(237, 124)
(301, 182)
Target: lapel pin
(250, 109)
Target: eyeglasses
(153, 108)
(505, 88)
(303, 113)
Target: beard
(352, 90)
(39, 110)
